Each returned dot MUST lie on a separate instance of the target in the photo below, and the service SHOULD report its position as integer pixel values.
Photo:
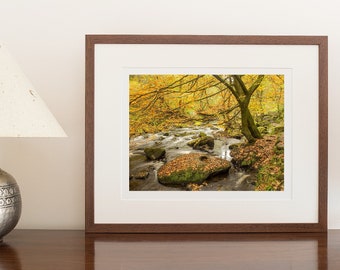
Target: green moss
(249, 160)
(154, 153)
(184, 177)
(191, 168)
(271, 176)
(202, 141)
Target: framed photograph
(206, 134)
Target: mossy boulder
(203, 142)
(154, 153)
(191, 168)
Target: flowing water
(175, 144)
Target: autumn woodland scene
(206, 132)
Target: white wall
(47, 39)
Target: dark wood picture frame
(320, 226)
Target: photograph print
(206, 132)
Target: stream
(143, 172)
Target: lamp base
(10, 203)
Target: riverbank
(182, 141)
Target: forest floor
(258, 166)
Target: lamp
(22, 114)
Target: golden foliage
(160, 102)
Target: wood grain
(38, 249)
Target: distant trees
(159, 102)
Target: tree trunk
(245, 128)
(252, 126)
(249, 129)
(243, 95)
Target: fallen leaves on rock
(193, 161)
(257, 154)
(265, 157)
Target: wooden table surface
(43, 249)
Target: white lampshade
(22, 112)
